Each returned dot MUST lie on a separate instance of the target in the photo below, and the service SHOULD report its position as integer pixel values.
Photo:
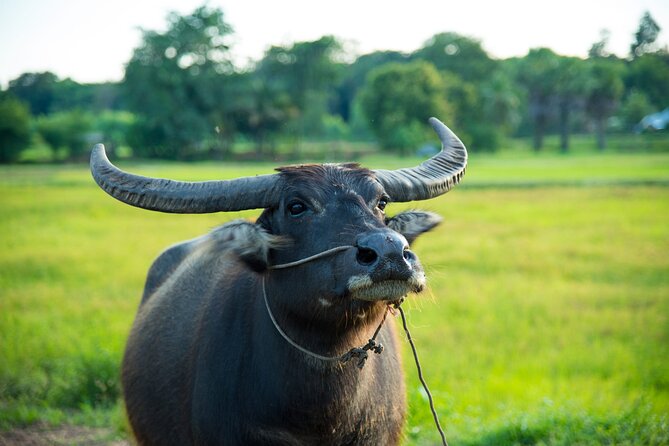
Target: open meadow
(546, 321)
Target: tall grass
(546, 321)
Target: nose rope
(361, 353)
(435, 417)
(313, 257)
(356, 352)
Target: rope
(356, 352)
(361, 353)
(313, 257)
(420, 374)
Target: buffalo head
(312, 208)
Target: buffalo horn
(182, 197)
(433, 177)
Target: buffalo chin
(362, 287)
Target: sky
(92, 40)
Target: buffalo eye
(383, 202)
(296, 208)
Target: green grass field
(546, 322)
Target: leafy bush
(398, 99)
(14, 128)
(67, 130)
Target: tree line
(182, 97)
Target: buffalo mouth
(362, 287)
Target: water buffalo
(239, 341)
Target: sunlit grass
(546, 320)
(552, 301)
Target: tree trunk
(272, 147)
(600, 131)
(539, 129)
(260, 144)
(564, 128)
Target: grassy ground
(547, 321)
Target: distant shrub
(67, 130)
(14, 128)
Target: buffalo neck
(320, 322)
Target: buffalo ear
(411, 224)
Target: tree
(45, 94)
(175, 81)
(69, 95)
(457, 54)
(468, 118)
(14, 128)
(68, 130)
(398, 100)
(478, 88)
(308, 73)
(645, 36)
(355, 76)
(260, 111)
(570, 91)
(649, 73)
(598, 49)
(36, 89)
(635, 106)
(538, 73)
(604, 95)
(495, 112)
(113, 127)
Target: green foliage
(398, 99)
(307, 73)
(459, 55)
(36, 89)
(113, 128)
(570, 93)
(45, 94)
(606, 89)
(649, 73)
(14, 128)
(598, 49)
(538, 73)
(260, 110)
(645, 36)
(635, 106)
(334, 128)
(500, 102)
(355, 77)
(67, 130)
(484, 113)
(174, 82)
(481, 93)
(188, 101)
(69, 95)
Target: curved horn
(182, 197)
(431, 178)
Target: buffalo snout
(386, 256)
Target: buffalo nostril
(366, 256)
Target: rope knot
(361, 353)
(395, 305)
